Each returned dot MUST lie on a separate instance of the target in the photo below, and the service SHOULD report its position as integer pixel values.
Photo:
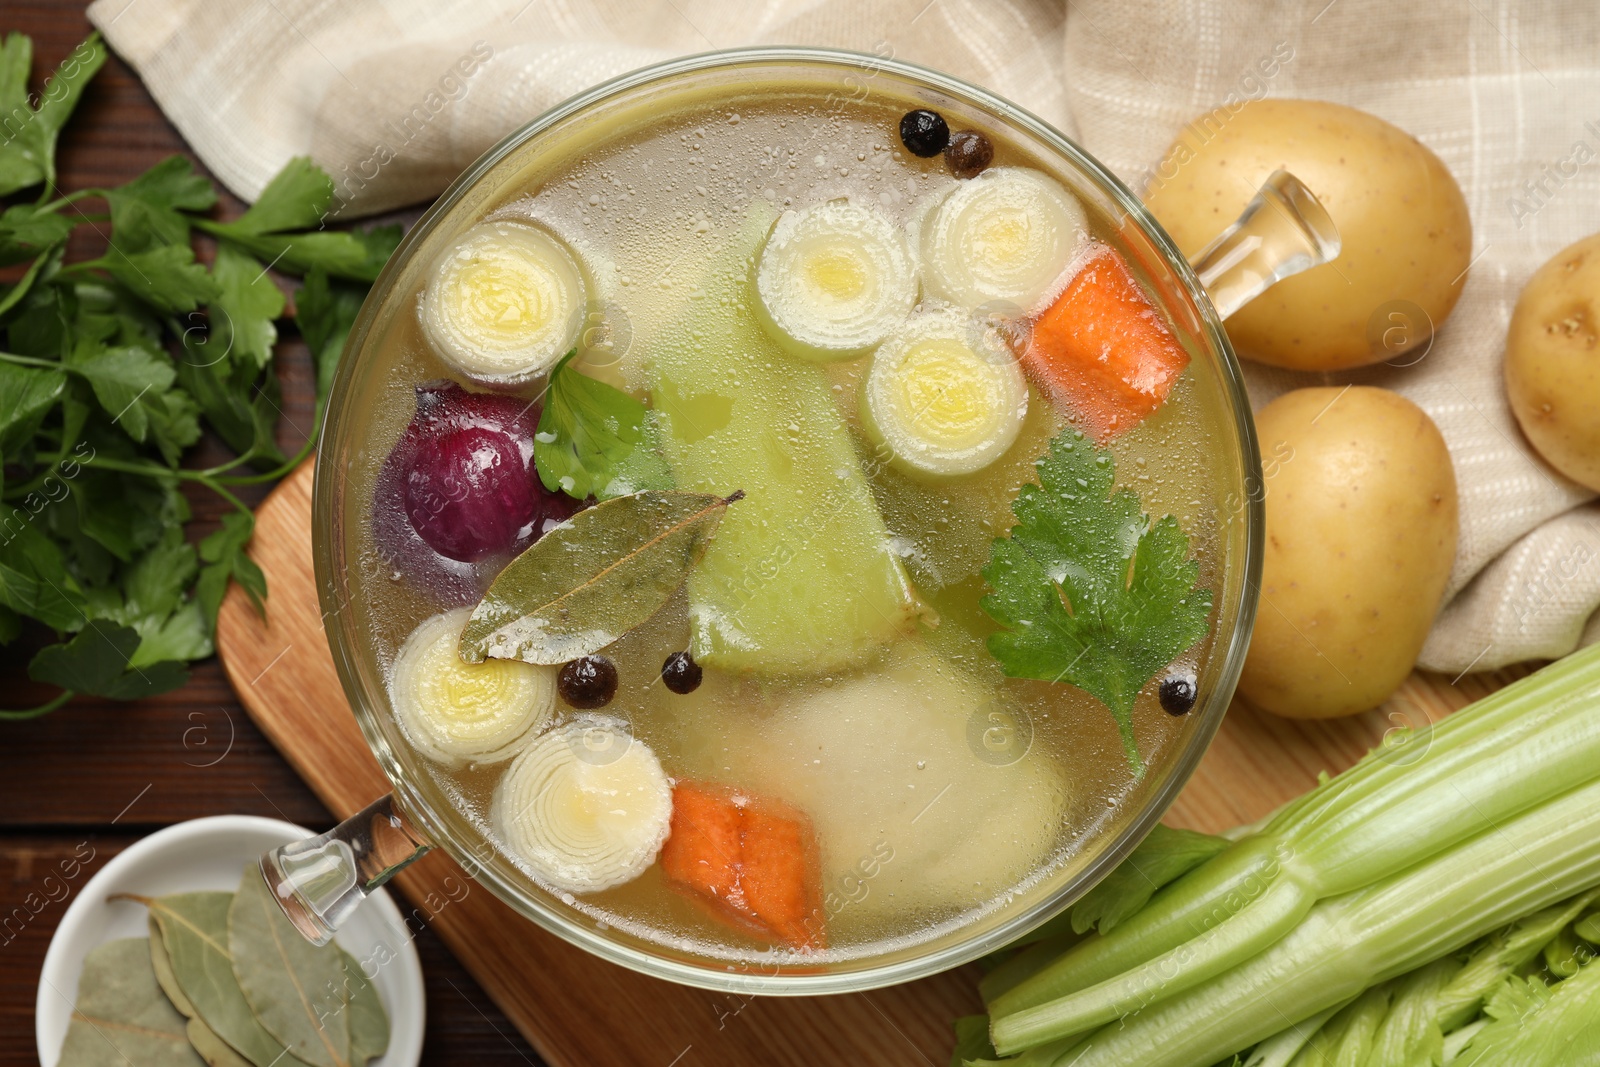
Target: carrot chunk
(752, 861)
(1102, 350)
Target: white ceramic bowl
(210, 854)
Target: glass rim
(328, 485)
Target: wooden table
(102, 774)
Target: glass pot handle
(1281, 232)
(320, 881)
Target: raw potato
(1553, 365)
(1403, 226)
(1361, 534)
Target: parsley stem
(31, 361)
(151, 470)
(43, 709)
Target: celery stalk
(1409, 1035)
(1281, 1049)
(1502, 955)
(1350, 942)
(1512, 750)
(1346, 1040)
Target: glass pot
(1284, 230)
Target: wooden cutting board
(579, 1011)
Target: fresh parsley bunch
(111, 366)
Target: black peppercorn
(968, 153)
(1178, 694)
(588, 682)
(924, 132)
(681, 674)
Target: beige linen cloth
(396, 97)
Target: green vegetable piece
(28, 154)
(1410, 1033)
(802, 577)
(1563, 955)
(1502, 955)
(1281, 1049)
(593, 578)
(224, 555)
(1517, 748)
(1348, 943)
(164, 276)
(244, 308)
(299, 198)
(33, 574)
(595, 440)
(369, 1023)
(1160, 858)
(295, 988)
(98, 661)
(1588, 928)
(145, 212)
(26, 232)
(26, 394)
(1089, 590)
(325, 313)
(121, 1018)
(1532, 1023)
(972, 1040)
(1345, 1040)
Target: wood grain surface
(579, 1011)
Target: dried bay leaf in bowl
(118, 994)
(369, 1023)
(194, 932)
(296, 989)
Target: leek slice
(945, 397)
(1002, 240)
(453, 711)
(586, 806)
(834, 280)
(505, 303)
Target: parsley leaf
(28, 155)
(33, 574)
(26, 395)
(225, 558)
(164, 276)
(108, 366)
(1089, 591)
(247, 302)
(595, 440)
(98, 662)
(26, 232)
(298, 199)
(325, 311)
(146, 211)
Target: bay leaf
(122, 1018)
(295, 988)
(593, 578)
(369, 1023)
(194, 933)
(215, 1051)
(161, 963)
